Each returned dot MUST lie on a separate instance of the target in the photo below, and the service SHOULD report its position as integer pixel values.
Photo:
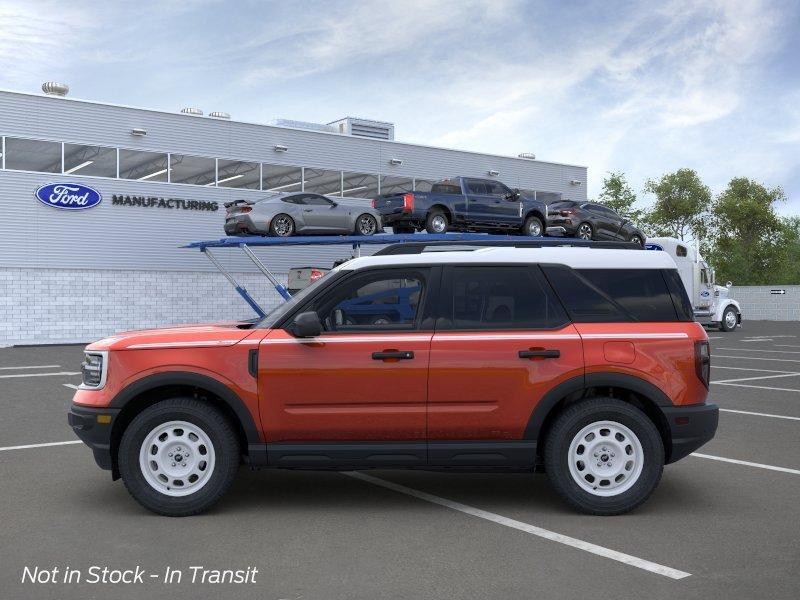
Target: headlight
(94, 369)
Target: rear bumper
(96, 435)
(690, 427)
(244, 225)
(398, 215)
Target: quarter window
(501, 298)
(585, 302)
(641, 292)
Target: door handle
(393, 355)
(539, 353)
(308, 210)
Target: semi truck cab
(712, 303)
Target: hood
(180, 336)
(720, 291)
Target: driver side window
(384, 301)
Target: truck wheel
(604, 456)
(281, 225)
(178, 457)
(436, 222)
(729, 319)
(584, 231)
(533, 227)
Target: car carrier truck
(711, 303)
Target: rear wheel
(178, 457)
(281, 225)
(604, 456)
(366, 224)
(584, 231)
(436, 222)
(729, 319)
(533, 227)
(637, 239)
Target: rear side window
(585, 302)
(494, 297)
(446, 187)
(643, 293)
(680, 299)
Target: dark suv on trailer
(590, 221)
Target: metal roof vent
(51, 88)
(192, 111)
(527, 155)
(219, 115)
(377, 130)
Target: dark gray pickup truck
(463, 204)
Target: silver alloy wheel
(605, 458)
(282, 226)
(534, 228)
(730, 319)
(585, 231)
(367, 225)
(636, 240)
(177, 458)
(439, 223)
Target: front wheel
(584, 232)
(178, 457)
(730, 319)
(637, 239)
(533, 227)
(366, 224)
(604, 456)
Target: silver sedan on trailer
(297, 213)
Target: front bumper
(90, 425)
(690, 427)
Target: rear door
(502, 342)
(479, 202)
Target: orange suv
(583, 362)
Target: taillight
(245, 209)
(316, 274)
(566, 213)
(373, 203)
(408, 202)
(702, 361)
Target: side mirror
(306, 325)
(334, 204)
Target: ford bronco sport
(583, 362)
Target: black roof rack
(418, 247)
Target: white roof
(571, 256)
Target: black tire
(366, 222)
(723, 325)
(275, 225)
(637, 239)
(215, 425)
(566, 427)
(581, 230)
(401, 229)
(432, 222)
(533, 227)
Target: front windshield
(277, 313)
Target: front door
(324, 215)
(363, 380)
(502, 341)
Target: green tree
(681, 206)
(751, 244)
(618, 195)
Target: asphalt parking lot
(722, 524)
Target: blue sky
(644, 88)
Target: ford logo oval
(68, 196)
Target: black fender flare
(584, 382)
(186, 378)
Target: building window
(194, 170)
(143, 166)
(423, 185)
(280, 178)
(396, 185)
(359, 185)
(321, 181)
(97, 161)
(237, 174)
(33, 155)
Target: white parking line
(759, 350)
(757, 414)
(634, 561)
(787, 346)
(71, 386)
(747, 463)
(759, 377)
(45, 445)
(749, 369)
(756, 358)
(757, 387)
(39, 374)
(30, 367)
